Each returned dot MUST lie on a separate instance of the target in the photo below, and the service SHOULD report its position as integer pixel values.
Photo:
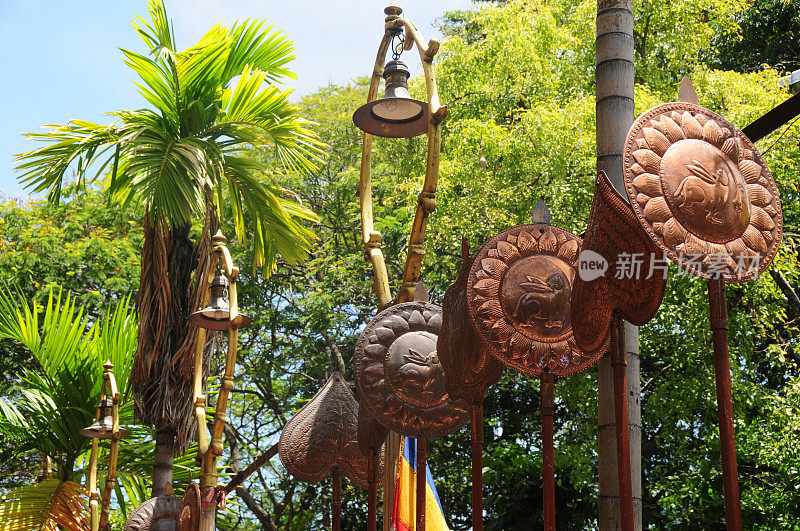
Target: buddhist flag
(405, 499)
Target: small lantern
(216, 316)
(103, 426)
(397, 114)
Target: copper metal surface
(336, 499)
(702, 192)
(469, 366)
(422, 481)
(619, 360)
(476, 435)
(518, 296)
(189, 514)
(548, 453)
(399, 376)
(722, 374)
(155, 514)
(613, 231)
(323, 436)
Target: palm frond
(267, 50)
(50, 505)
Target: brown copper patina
(470, 367)
(614, 231)
(322, 436)
(702, 192)
(399, 376)
(518, 296)
(189, 515)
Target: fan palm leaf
(47, 506)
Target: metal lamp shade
(217, 315)
(103, 427)
(397, 114)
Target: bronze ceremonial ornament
(322, 440)
(189, 513)
(399, 375)
(702, 192)
(470, 370)
(518, 294)
(105, 426)
(700, 187)
(614, 231)
(219, 314)
(371, 438)
(161, 512)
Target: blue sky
(62, 60)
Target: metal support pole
(372, 493)
(422, 481)
(722, 372)
(476, 431)
(619, 362)
(548, 454)
(336, 500)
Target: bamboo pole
(426, 204)
(615, 113)
(111, 474)
(722, 372)
(548, 453)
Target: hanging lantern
(216, 316)
(397, 114)
(103, 426)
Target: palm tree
(186, 160)
(58, 399)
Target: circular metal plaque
(702, 192)
(518, 294)
(399, 376)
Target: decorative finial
(108, 366)
(421, 293)
(393, 10)
(687, 92)
(541, 214)
(219, 237)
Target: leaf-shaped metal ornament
(468, 364)
(323, 435)
(399, 376)
(613, 233)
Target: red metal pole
(619, 361)
(548, 454)
(476, 426)
(336, 498)
(422, 469)
(722, 372)
(372, 493)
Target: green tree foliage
(768, 36)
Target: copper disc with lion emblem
(399, 376)
(518, 295)
(702, 192)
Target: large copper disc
(518, 295)
(399, 376)
(702, 192)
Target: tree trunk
(615, 114)
(162, 460)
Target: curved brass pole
(425, 205)
(108, 375)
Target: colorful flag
(405, 498)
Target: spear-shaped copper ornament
(470, 370)
(705, 196)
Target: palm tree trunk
(615, 114)
(162, 460)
